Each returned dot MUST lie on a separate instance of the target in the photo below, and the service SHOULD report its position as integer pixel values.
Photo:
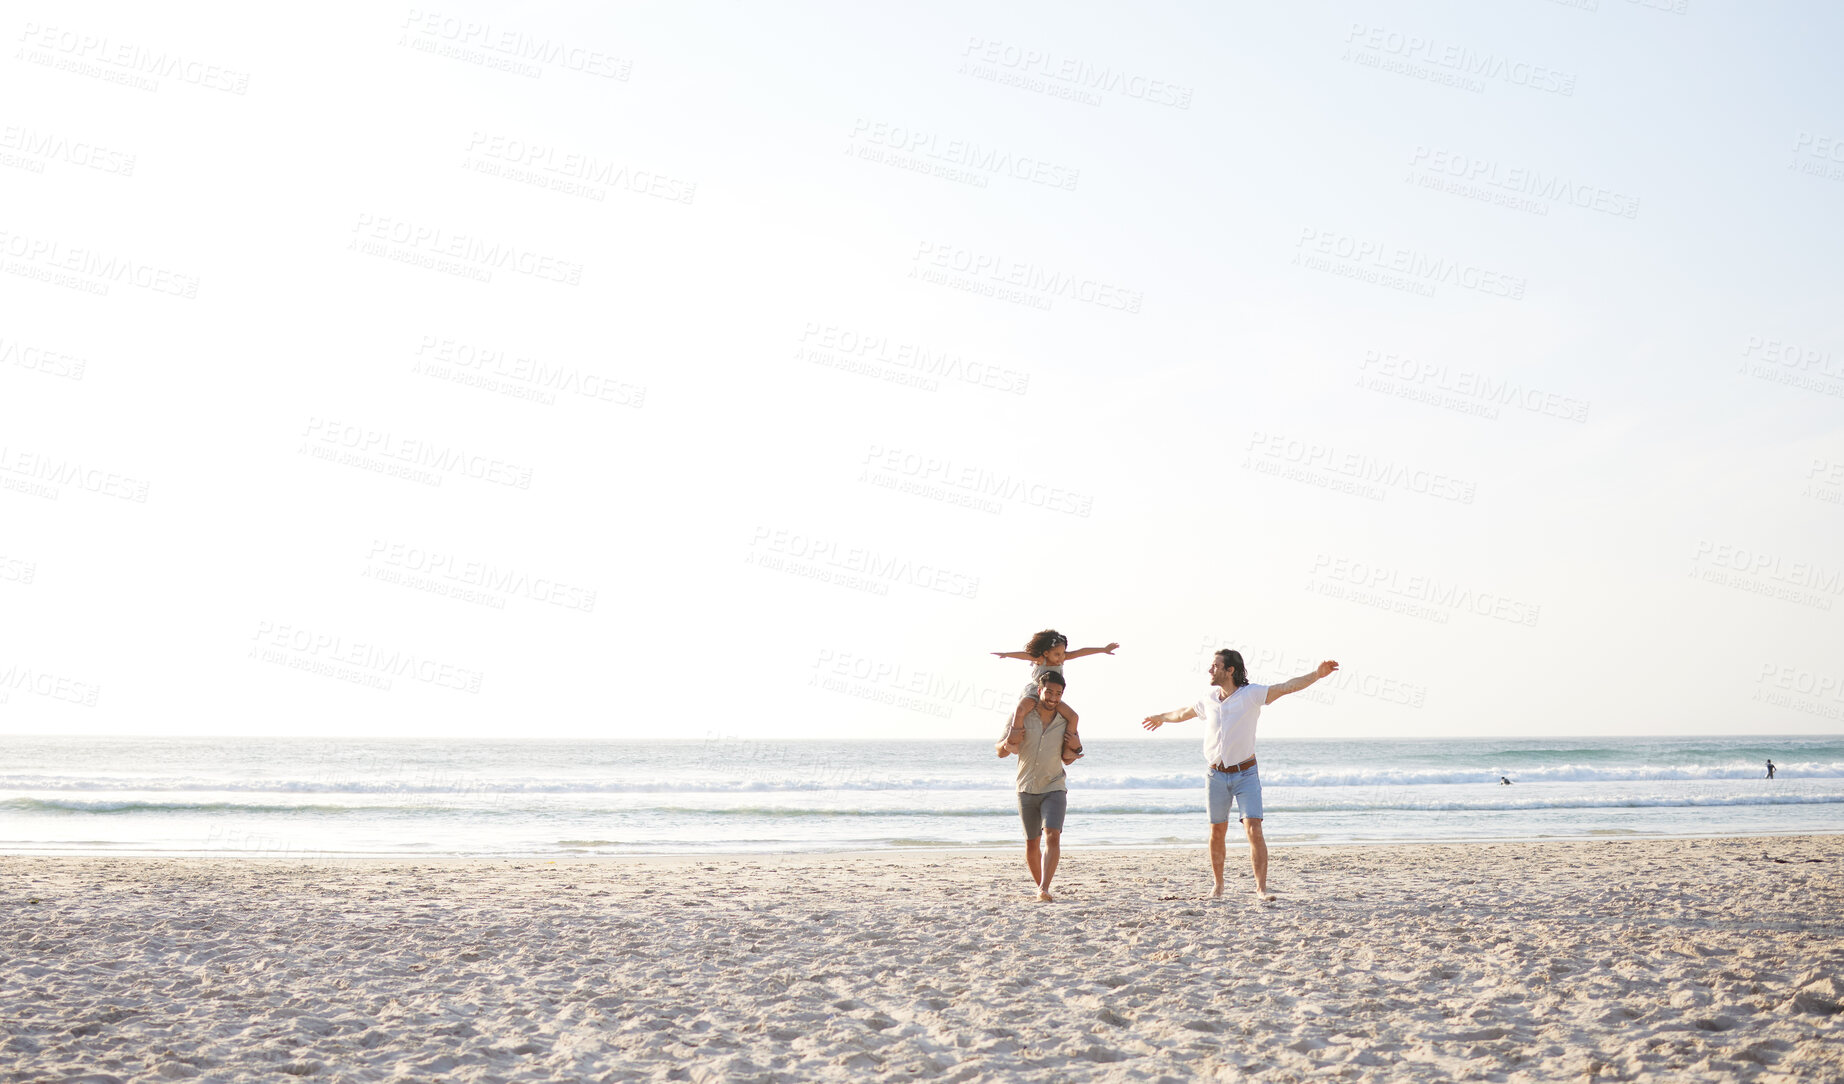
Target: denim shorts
(1242, 788)
(1040, 811)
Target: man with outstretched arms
(1230, 709)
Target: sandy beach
(1629, 960)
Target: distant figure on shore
(1503, 782)
(1770, 769)
(1230, 708)
(1036, 734)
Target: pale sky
(684, 369)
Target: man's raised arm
(1294, 685)
(1014, 734)
(1177, 715)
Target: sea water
(342, 797)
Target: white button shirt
(1229, 723)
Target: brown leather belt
(1242, 767)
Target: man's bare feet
(1263, 895)
(1044, 896)
(1217, 892)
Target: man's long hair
(1238, 670)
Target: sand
(1630, 960)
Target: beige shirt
(1040, 755)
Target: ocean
(309, 798)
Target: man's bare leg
(1219, 834)
(1258, 856)
(1053, 849)
(1032, 861)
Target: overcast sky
(681, 369)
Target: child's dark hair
(1039, 645)
(1051, 677)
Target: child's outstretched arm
(1014, 734)
(1081, 651)
(1013, 654)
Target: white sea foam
(1281, 775)
(509, 798)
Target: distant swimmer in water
(1770, 769)
(1503, 782)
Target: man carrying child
(1037, 733)
(1047, 651)
(1042, 731)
